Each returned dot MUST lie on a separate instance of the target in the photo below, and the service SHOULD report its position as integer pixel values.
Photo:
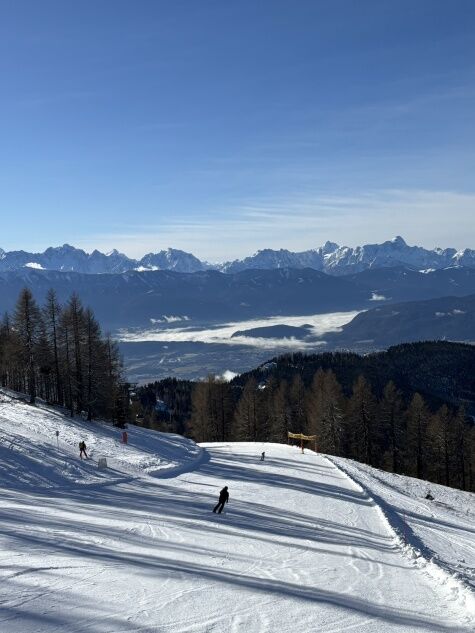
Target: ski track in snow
(305, 544)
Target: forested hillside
(404, 410)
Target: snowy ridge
(412, 545)
(330, 258)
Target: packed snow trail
(299, 547)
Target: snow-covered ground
(442, 529)
(301, 546)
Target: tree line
(356, 416)
(59, 353)
(385, 432)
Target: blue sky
(221, 127)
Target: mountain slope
(445, 318)
(300, 547)
(401, 283)
(135, 298)
(439, 370)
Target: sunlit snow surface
(300, 547)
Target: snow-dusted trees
(59, 354)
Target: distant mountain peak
(329, 258)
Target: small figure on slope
(263, 456)
(82, 449)
(223, 498)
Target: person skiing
(223, 498)
(82, 449)
(263, 456)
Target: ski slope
(302, 545)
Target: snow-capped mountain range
(329, 258)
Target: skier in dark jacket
(223, 498)
(82, 449)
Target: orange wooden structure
(303, 438)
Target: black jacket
(224, 496)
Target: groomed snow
(300, 547)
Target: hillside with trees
(404, 410)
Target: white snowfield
(301, 546)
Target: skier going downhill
(82, 449)
(223, 498)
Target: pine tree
(51, 316)
(325, 412)
(460, 431)
(360, 421)
(297, 404)
(94, 360)
(277, 411)
(434, 450)
(44, 359)
(246, 417)
(112, 380)
(75, 312)
(208, 419)
(333, 418)
(26, 323)
(391, 421)
(315, 402)
(416, 436)
(65, 337)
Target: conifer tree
(26, 324)
(75, 314)
(360, 422)
(94, 361)
(199, 423)
(333, 419)
(65, 336)
(277, 411)
(315, 402)
(325, 411)
(51, 315)
(391, 423)
(297, 404)
(246, 418)
(416, 436)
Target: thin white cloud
(303, 221)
